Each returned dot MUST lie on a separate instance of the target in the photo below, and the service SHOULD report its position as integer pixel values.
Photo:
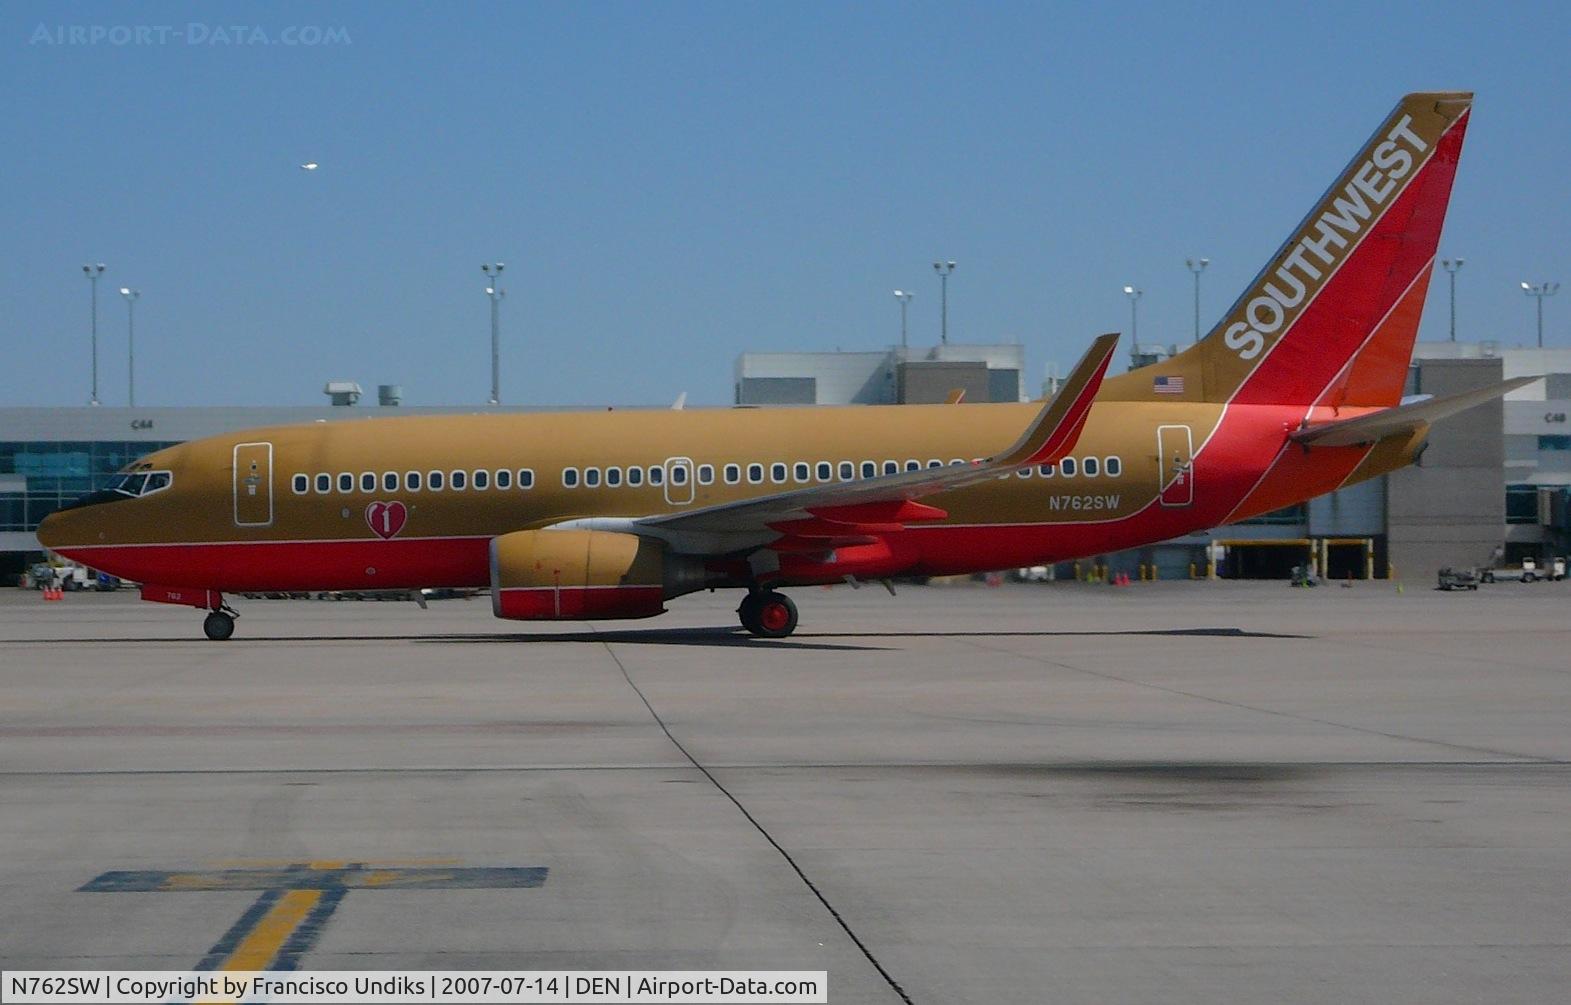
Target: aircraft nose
(62, 528)
(49, 531)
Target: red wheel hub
(774, 616)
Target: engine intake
(553, 575)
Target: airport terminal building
(1491, 489)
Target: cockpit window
(140, 483)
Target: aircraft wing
(1401, 419)
(886, 503)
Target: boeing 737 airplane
(1296, 392)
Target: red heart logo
(386, 518)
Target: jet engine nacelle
(550, 575)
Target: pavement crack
(840, 920)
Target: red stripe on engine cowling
(567, 603)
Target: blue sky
(672, 184)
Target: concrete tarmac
(1160, 793)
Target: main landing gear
(767, 614)
(219, 625)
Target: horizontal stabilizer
(1401, 419)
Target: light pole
(943, 269)
(92, 272)
(495, 293)
(130, 330)
(1197, 266)
(1539, 291)
(905, 300)
(1452, 266)
(1134, 316)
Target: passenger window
(869, 469)
(591, 478)
(1067, 467)
(1089, 467)
(526, 478)
(434, 480)
(847, 471)
(570, 478)
(635, 476)
(390, 481)
(935, 463)
(1113, 466)
(458, 481)
(656, 475)
(802, 471)
(891, 467)
(1045, 470)
(368, 481)
(777, 472)
(412, 481)
(481, 480)
(302, 485)
(826, 471)
(504, 479)
(913, 465)
(679, 475)
(613, 478)
(755, 473)
(706, 474)
(346, 482)
(1023, 473)
(733, 474)
(324, 483)
(957, 462)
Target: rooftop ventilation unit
(390, 395)
(342, 392)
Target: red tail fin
(1332, 318)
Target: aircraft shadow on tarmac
(724, 636)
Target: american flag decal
(1167, 385)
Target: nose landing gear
(768, 614)
(219, 625)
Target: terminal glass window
(1521, 504)
(1554, 443)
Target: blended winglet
(1053, 432)
(1402, 419)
